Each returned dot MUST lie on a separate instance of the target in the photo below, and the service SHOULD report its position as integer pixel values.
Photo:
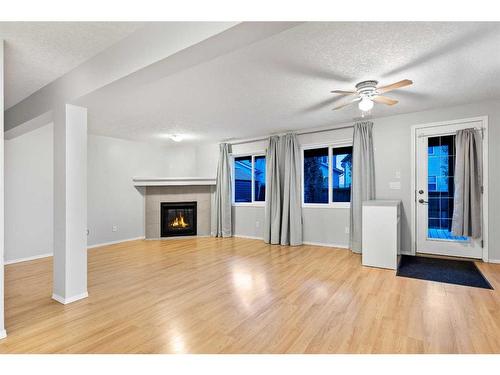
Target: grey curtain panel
(272, 219)
(221, 220)
(363, 178)
(467, 209)
(291, 216)
(283, 215)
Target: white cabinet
(381, 233)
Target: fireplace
(178, 219)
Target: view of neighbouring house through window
(243, 179)
(316, 174)
(259, 178)
(246, 170)
(341, 174)
(440, 174)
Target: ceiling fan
(367, 93)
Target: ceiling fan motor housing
(367, 88)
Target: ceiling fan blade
(384, 100)
(346, 104)
(394, 86)
(343, 92)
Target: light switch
(395, 185)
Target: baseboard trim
(27, 259)
(3, 334)
(65, 301)
(311, 243)
(325, 244)
(248, 237)
(115, 242)
(493, 261)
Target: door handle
(422, 201)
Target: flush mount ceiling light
(367, 93)
(176, 137)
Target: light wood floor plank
(238, 295)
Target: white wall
(112, 198)
(392, 140)
(207, 157)
(29, 194)
(2, 330)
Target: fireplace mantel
(173, 181)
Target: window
(341, 174)
(441, 187)
(440, 164)
(316, 175)
(249, 179)
(243, 179)
(259, 178)
(327, 176)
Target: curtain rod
(251, 140)
(448, 133)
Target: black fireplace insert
(178, 219)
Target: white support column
(2, 323)
(70, 204)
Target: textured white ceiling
(284, 82)
(37, 53)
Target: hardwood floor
(241, 296)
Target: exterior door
(435, 164)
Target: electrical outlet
(397, 174)
(257, 224)
(346, 230)
(114, 228)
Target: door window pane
(441, 165)
(432, 183)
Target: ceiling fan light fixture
(365, 104)
(367, 92)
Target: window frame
(330, 146)
(253, 203)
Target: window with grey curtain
(291, 216)
(283, 216)
(221, 213)
(272, 220)
(467, 209)
(363, 178)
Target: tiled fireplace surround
(155, 195)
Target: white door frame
(413, 226)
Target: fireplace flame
(179, 222)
